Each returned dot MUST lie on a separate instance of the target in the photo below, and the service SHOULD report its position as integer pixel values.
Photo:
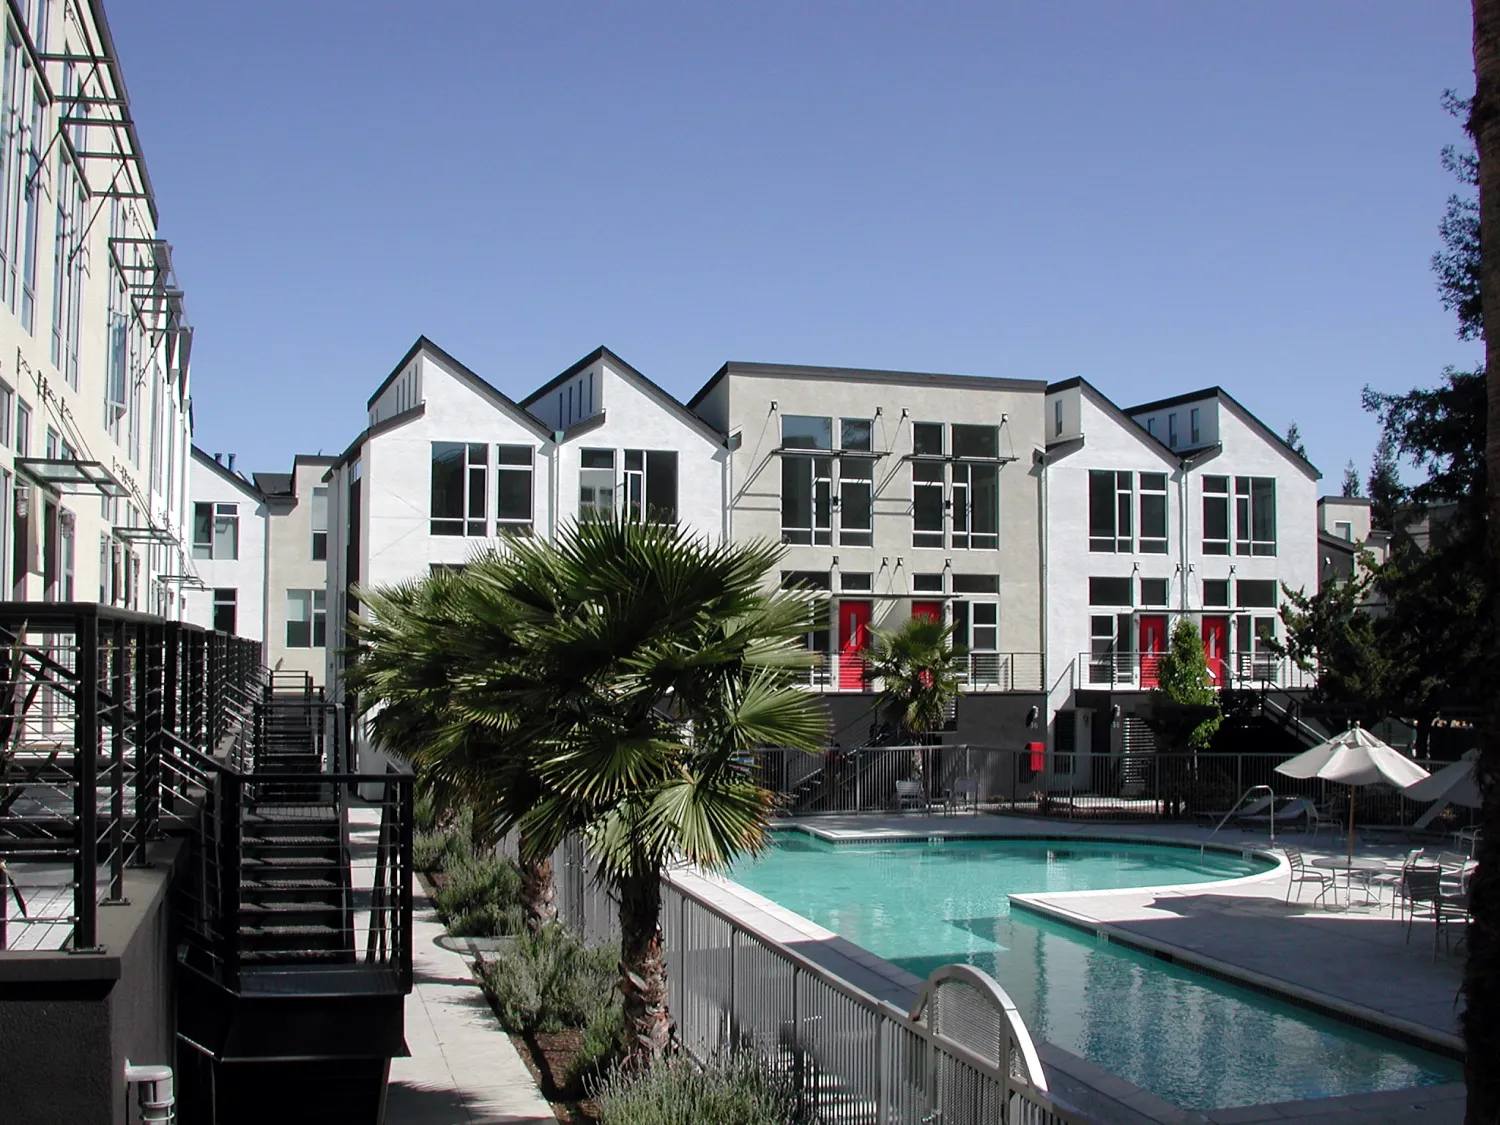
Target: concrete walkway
(463, 1069)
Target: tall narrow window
(306, 619)
(29, 248)
(1216, 515)
(1195, 435)
(1109, 511)
(1172, 430)
(1154, 513)
(459, 470)
(651, 485)
(806, 479)
(596, 483)
(513, 486)
(856, 492)
(1057, 418)
(226, 605)
(319, 514)
(927, 504)
(1254, 515)
(7, 407)
(23, 429)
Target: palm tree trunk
(1481, 1020)
(643, 969)
(538, 892)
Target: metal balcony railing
(1138, 671)
(978, 672)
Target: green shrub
(733, 1089)
(598, 1051)
(431, 851)
(471, 884)
(425, 814)
(548, 981)
(489, 920)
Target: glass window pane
(927, 439)
(856, 433)
(796, 499)
(661, 486)
(1109, 591)
(597, 458)
(226, 537)
(976, 441)
(801, 431)
(976, 583)
(447, 487)
(1101, 510)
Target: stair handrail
(1236, 808)
(1308, 734)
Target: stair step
(291, 929)
(282, 956)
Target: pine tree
(1294, 439)
(1351, 481)
(1183, 681)
(1384, 485)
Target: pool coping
(1129, 1098)
(1043, 903)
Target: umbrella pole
(1352, 790)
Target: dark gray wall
(69, 1021)
(984, 719)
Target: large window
(216, 531)
(806, 479)
(319, 514)
(1216, 515)
(67, 266)
(960, 480)
(651, 485)
(1153, 499)
(856, 467)
(306, 619)
(1109, 511)
(1255, 593)
(1254, 515)
(459, 470)
(513, 487)
(596, 483)
(226, 604)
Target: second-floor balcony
(978, 672)
(1137, 671)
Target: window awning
(191, 581)
(808, 451)
(146, 535)
(69, 475)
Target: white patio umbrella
(1354, 758)
(1455, 783)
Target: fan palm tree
(918, 667)
(612, 684)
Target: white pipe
(154, 1092)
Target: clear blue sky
(1156, 196)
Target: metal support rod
(85, 796)
(117, 764)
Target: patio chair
(964, 793)
(1454, 870)
(1300, 873)
(1468, 840)
(909, 795)
(1428, 900)
(1293, 810)
(1396, 880)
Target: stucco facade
(230, 560)
(297, 546)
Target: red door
(854, 637)
(1216, 646)
(932, 611)
(1153, 645)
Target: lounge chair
(1298, 808)
(909, 795)
(1300, 873)
(1259, 805)
(963, 794)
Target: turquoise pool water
(1194, 1040)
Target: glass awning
(146, 535)
(69, 475)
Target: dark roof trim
(1337, 542)
(1357, 501)
(477, 382)
(373, 431)
(233, 478)
(1065, 385)
(312, 459)
(579, 428)
(1151, 441)
(1220, 394)
(650, 386)
(866, 375)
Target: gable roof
(651, 388)
(1240, 409)
(483, 386)
(207, 460)
(1108, 405)
(863, 374)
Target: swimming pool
(1192, 1039)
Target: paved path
(463, 1069)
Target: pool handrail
(1271, 807)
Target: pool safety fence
(1138, 785)
(961, 1055)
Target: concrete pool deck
(1354, 963)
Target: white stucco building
(450, 465)
(94, 343)
(296, 569)
(1190, 506)
(229, 516)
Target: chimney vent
(231, 462)
(218, 458)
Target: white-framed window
(955, 486)
(1110, 525)
(226, 610)
(216, 531)
(806, 479)
(513, 487)
(459, 472)
(1254, 638)
(1255, 515)
(975, 613)
(1216, 515)
(1109, 647)
(306, 619)
(651, 485)
(1153, 505)
(7, 412)
(1154, 592)
(596, 483)
(318, 515)
(1344, 529)
(69, 262)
